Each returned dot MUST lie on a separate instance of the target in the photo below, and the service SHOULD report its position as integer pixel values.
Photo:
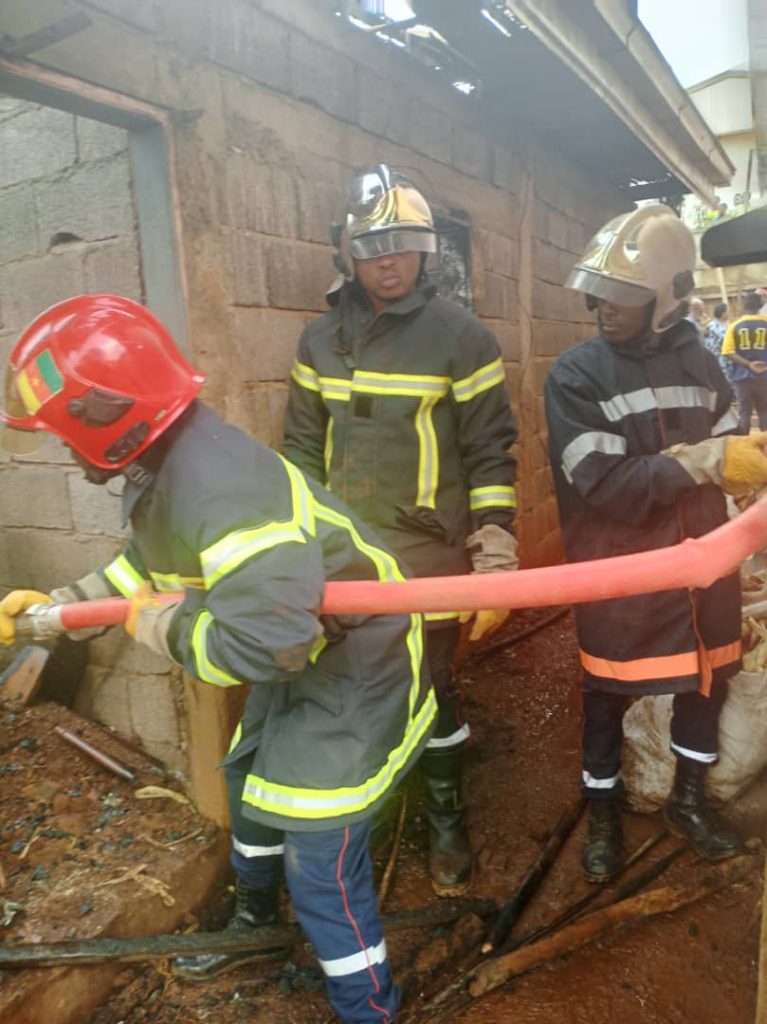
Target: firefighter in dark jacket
(639, 423)
(398, 405)
(337, 711)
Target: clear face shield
(12, 438)
(386, 214)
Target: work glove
(92, 587)
(148, 620)
(14, 604)
(736, 464)
(492, 549)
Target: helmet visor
(384, 243)
(13, 439)
(621, 293)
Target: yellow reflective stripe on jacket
(328, 454)
(123, 576)
(440, 616)
(483, 379)
(428, 452)
(239, 546)
(235, 738)
(171, 582)
(335, 389)
(386, 565)
(498, 496)
(206, 670)
(409, 384)
(305, 376)
(293, 802)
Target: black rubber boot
(252, 908)
(602, 856)
(688, 816)
(450, 858)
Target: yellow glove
(14, 604)
(141, 599)
(744, 466)
(485, 622)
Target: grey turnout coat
(338, 709)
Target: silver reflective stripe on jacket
(587, 443)
(646, 399)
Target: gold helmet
(385, 213)
(641, 256)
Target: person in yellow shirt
(745, 345)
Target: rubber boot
(688, 816)
(602, 856)
(450, 857)
(252, 908)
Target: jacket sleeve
(126, 573)
(306, 417)
(485, 427)
(256, 620)
(592, 457)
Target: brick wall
(273, 103)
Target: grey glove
(92, 587)
(735, 463)
(493, 549)
(151, 624)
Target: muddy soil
(692, 967)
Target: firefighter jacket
(406, 417)
(338, 709)
(611, 410)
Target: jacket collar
(140, 474)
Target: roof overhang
(588, 77)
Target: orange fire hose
(693, 563)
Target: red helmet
(101, 372)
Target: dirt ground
(691, 967)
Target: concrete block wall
(67, 225)
(272, 103)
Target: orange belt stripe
(667, 667)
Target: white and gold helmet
(385, 213)
(641, 256)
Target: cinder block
(35, 144)
(34, 496)
(266, 342)
(18, 225)
(431, 131)
(322, 78)
(96, 140)
(319, 204)
(278, 401)
(498, 253)
(44, 559)
(380, 109)
(496, 297)
(116, 649)
(258, 197)
(94, 509)
(154, 716)
(10, 106)
(507, 335)
(248, 257)
(103, 696)
(298, 273)
(508, 170)
(241, 38)
(94, 202)
(28, 287)
(114, 266)
(471, 152)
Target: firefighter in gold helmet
(398, 404)
(641, 445)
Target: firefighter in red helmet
(337, 711)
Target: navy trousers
(330, 880)
(694, 734)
